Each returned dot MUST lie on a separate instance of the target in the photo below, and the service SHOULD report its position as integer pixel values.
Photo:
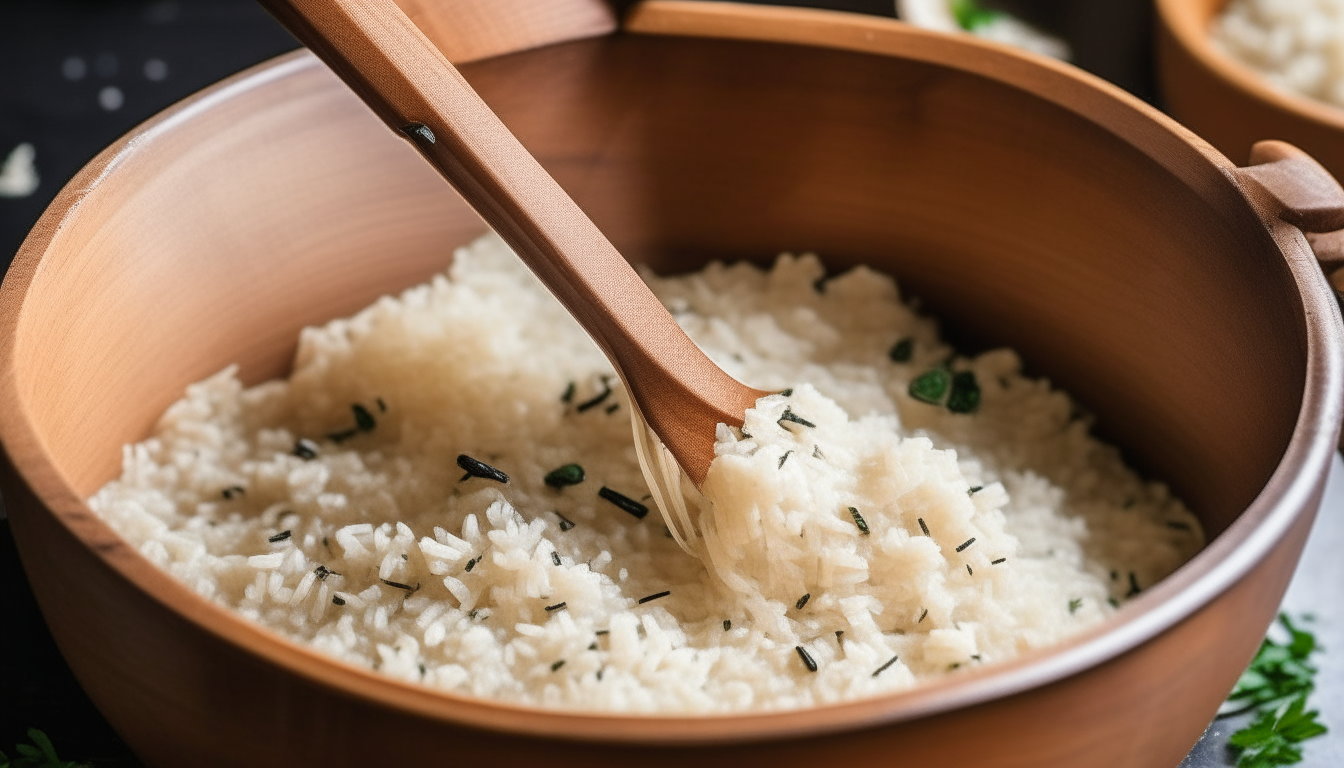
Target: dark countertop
(76, 74)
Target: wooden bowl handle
(1304, 195)
(1307, 196)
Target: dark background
(77, 74)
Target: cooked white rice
(377, 552)
(1298, 45)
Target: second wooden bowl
(1028, 204)
(1227, 102)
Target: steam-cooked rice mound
(860, 539)
(1298, 45)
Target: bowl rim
(1292, 490)
(1188, 26)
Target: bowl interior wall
(1176, 322)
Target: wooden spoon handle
(398, 72)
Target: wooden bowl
(1227, 102)
(1037, 206)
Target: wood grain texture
(1230, 104)
(1040, 208)
(398, 72)
(467, 30)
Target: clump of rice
(1298, 45)
(335, 509)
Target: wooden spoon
(675, 390)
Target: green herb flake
(884, 667)
(364, 420)
(859, 521)
(808, 661)
(279, 537)
(569, 474)
(565, 522)
(790, 416)
(902, 351)
(966, 544)
(557, 665)
(931, 386)
(787, 392)
(1134, 587)
(651, 598)
(802, 601)
(923, 527)
(727, 624)
(568, 395)
(624, 503)
(342, 435)
(783, 459)
(597, 399)
(974, 489)
(970, 15)
(965, 397)
(305, 449)
(1074, 605)
(555, 557)
(477, 468)
(558, 606)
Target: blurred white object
(998, 26)
(18, 175)
(929, 14)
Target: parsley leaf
(1272, 739)
(1276, 686)
(1280, 671)
(39, 754)
(970, 15)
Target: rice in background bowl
(1297, 45)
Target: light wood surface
(1029, 204)
(409, 84)
(467, 30)
(1229, 103)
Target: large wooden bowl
(1229, 103)
(1036, 206)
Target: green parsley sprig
(39, 754)
(1278, 672)
(1276, 686)
(970, 15)
(1272, 740)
